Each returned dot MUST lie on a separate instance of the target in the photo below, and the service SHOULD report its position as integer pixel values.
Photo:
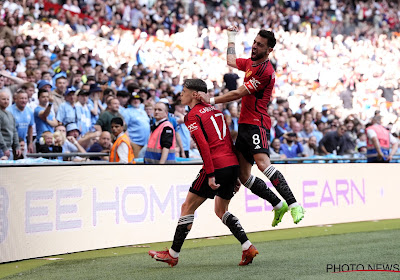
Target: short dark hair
(41, 91)
(117, 120)
(195, 84)
(269, 35)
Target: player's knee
(262, 165)
(219, 213)
(185, 207)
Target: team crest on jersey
(192, 127)
(248, 73)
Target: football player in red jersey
(217, 178)
(255, 123)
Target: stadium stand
(336, 62)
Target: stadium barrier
(54, 210)
(314, 159)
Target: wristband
(231, 36)
(212, 101)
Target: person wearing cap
(94, 103)
(84, 121)
(57, 95)
(67, 112)
(162, 141)
(121, 150)
(138, 123)
(44, 84)
(292, 148)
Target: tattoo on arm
(231, 50)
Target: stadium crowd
(68, 68)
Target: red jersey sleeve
(192, 122)
(241, 64)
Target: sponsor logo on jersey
(257, 147)
(248, 73)
(192, 127)
(273, 75)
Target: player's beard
(258, 56)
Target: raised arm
(231, 53)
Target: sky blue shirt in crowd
(293, 151)
(42, 126)
(138, 124)
(23, 119)
(185, 136)
(84, 121)
(66, 113)
(91, 107)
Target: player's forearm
(231, 55)
(231, 95)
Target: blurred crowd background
(337, 69)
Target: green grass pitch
(297, 253)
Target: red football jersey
(259, 82)
(208, 129)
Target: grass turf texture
(298, 253)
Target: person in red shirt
(255, 123)
(218, 178)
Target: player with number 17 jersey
(208, 129)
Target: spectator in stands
(9, 141)
(121, 151)
(308, 131)
(292, 148)
(230, 79)
(112, 111)
(281, 127)
(182, 130)
(138, 124)
(123, 98)
(103, 145)
(57, 96)
(43, 114)
(310, 148)
(48, 146)
(162, 142)
(332, 142)
(94, 103)
(23, 118)
(67, 112)
(275, 150)
(149, 108)
(83, 114)
(381, 144)
(70, 145)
